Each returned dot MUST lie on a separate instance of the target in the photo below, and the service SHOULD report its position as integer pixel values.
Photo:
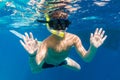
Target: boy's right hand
(29, 43)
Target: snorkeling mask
(55, 25)
(59, 24)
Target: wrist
(92, 47)
(33, 54)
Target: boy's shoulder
(71, 34)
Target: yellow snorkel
(55, 32)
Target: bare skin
(55, 49)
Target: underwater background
(18, 16)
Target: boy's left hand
(98, 37)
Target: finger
(22, 43)
(37, 42)
(91, 35)
(100, 31)
(102, 34)
(96, 31)
(31, 36)
(25, 47)
(27, 36)
(104, 38)
(24, 38)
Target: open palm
(29, 43)
(98, 37)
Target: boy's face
(59, 24)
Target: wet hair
(58, 15)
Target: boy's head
(58, 15)
(58, 23)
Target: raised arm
(36, 51)
(96, 40)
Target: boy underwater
(54, 50)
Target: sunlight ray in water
(19, 35)
(91, 18)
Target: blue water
(105, 65)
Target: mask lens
(59, 24)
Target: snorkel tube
(55, 32)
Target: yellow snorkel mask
(56, 26)
(55, 32)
